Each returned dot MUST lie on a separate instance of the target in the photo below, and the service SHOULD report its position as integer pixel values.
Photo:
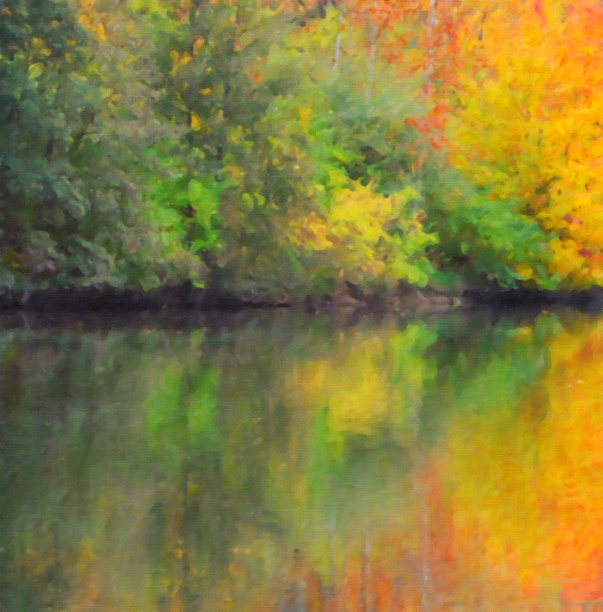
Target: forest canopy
(298, 144)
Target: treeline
(293, 146)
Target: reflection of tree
(570, 463)
(404, 551)
(64, 468)
(215, 471)
(217, 428)
(361, 401)
(187, 516)
(523, 484)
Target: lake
(281, 462)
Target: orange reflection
(504, 513)
(526, 489)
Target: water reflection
(286, 463)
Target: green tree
(73, 191)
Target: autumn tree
(527, 130)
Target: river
(273, 461)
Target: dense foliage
(292, 146)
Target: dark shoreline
(186, 297)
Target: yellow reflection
(525, 489)
(366, 381)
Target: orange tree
(526, 129)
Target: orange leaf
(435, 144)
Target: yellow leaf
(100, 32)
(304, 116)
(35, 70)
(195, 122)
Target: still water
(278, 462)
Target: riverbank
(187, 297)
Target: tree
(527, 128)
(74, 211)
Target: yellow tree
(527, 124)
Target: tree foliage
(255, 146)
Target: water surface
(273, 461)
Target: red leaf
(435, 144)
(539, 8)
